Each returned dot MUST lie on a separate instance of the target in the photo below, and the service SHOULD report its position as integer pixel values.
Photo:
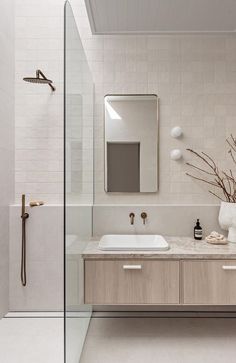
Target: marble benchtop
(180, 248)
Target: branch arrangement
(224, 181)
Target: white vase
(227, 219)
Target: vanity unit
(189, 273)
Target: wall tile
(6, 143)
(193, 75)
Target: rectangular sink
(119, 242)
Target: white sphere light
(176, 154)
(176, 131)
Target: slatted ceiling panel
(151, 16)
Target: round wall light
(176, 154)
(176, 132)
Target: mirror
(131, 143)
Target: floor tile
(153, 340)
(31, 340)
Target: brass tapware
(36, 203)
(144, 217)
(131, 215)
(40, 79)
(24, 216)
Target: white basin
(119, 242)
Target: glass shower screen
(78, 183)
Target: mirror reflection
(131, 143)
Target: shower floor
(31, 337)
(27, 338)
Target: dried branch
(232, 147)
(223, 180)
(205, 181)
(201, 157)
(232, 156)
(196, 167)
(217, 196)
(228, 181)
(231, 142)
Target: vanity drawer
(131, 282)
(209, 282)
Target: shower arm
(40, 73)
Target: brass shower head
(40, 78)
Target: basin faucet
(144, 217)
(131, 216)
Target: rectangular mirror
(131, 143)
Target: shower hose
(23, 249)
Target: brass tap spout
(36, 203)
(131, 215)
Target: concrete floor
(122, 340)
(31, 340)
(164, 340)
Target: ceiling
(158, 16)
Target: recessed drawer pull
(132, 267)
(229, 267)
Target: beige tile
(166, 340)
(31, 340)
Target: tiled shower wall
(193, 75)
(39, 112)
(39, 152)
(6, 141)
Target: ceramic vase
(227, 219)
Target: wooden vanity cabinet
(131, 282)
(210, 282)
(151, 281)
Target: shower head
(40, 78)
(37, 80)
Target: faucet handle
(144, 217)
(131, 216)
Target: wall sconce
(176, 154)
(176, 132)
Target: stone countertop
(180, 248)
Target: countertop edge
(181, 248)
(159, 257)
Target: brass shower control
(144, 217)
(36, 203)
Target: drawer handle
(132, 267)
(229, 267)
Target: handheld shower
(24, 216)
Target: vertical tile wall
(39, 112)
(39, 150)
(193, 75)
(79, 118)
(195, 79)
(6, 141)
